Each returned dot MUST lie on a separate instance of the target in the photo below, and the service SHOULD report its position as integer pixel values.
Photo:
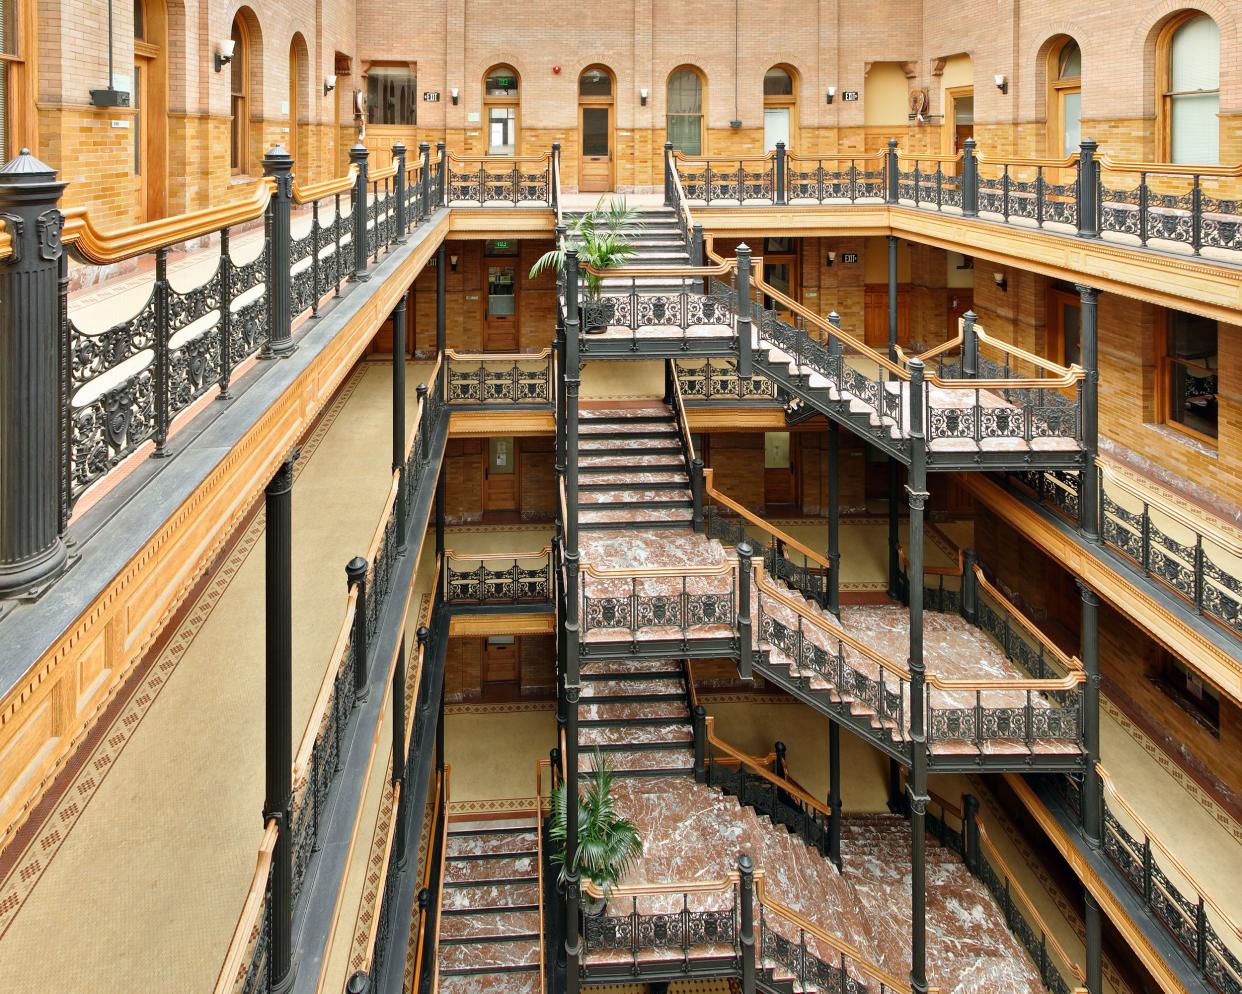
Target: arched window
(500, 110)
(684, 115)
(1064, 98)
(297, 95)
(780, 101)
(1189, 60)
(595, 127)
(239, 98)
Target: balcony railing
(717, 381)
(517, 378)
(482, 580)
(496, 180)
(1183, 209)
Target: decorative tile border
(510, 707)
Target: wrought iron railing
(524, 578)
(708, 380)
(518, 378)
(1186, 555)
(1034, 191)
(649, 299)
(500, 179)
(1020, 639)
(829, 179)
(638, 603)
(1194, 207)
(431, 883)
(930, 180)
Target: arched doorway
(501, 101)
(150, 105)
(595, 130)
(299, 102)
(780, 107)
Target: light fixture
(453, 263)
(329, 84)
(1001, 82)
(453, 92)
(832, 92)
(643, 93)
(225, 55)
(1002, 284)
(832, 257)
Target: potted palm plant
(607, 843)
(602, 238)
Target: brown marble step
(489, 925)
(523, 982)
(607, 412)
(626, 735)
(658, 687)
(596, 443)
(622, 711)
(649, 497)
(629, 667)
(486, 957)
(643, 760)
(488, 843)
(500, 869)
(599, 427)
(635, 515)
(470, 898)
(632, 460)
(635, 480)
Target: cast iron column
(358, 156)
(278, 164)
(441, 298)
(1090, 652)
(278, 738)
(398, 417)
(398, 185)
(398, 745)
(834, 792)
(892, 297)
(916, 495)
(440, 523)
(834, 518)
(1089, 490)
(34, 467)
(573, 945)
(1094, 942)
(894, 536)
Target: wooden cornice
(482, 625)
(484, 423)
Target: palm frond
(608, 845)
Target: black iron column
(440, 523)
(834, 792)
(398, 417)
(1090, 651)
(398, 745)
(278, 732)
(278, 165)
(358, 156)
(894, 533)
(1089, 491)
(398, 186)
(834, 518)
(34, 388)
(892, 297)
(1094, 943)
(441, 298)
(916, 496)
(573, 946)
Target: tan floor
(161, 857)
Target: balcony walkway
(139, 857)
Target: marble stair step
(638, 515)
(656, 689)
(521, 982)
(489, 957)
(607, 443)
(489, 843)
(643, 761)
(630, 668)
(480, 898)
(490, 924)
(620, 711)
(649, 498)
(633, 461)
(633, 415)
(597, 427)
(634, 735)
(663, 479)
(473, 871)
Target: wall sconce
(453, 263)
(643, 93)
(453, 94)
(223, 57)
(832, 92)
(832, 257)
(1001, 82)
(329, 84)
(1002, 284)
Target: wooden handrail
(444, 833)
(656, 572)
(1073, 371)
(316, 191)
(1157, 501)
(679, 405)
(1067, 661)
(319, 710)
(105, 247)
(935, 352)
(384, 172)
(758, 522)
(373, 936)
(564, 502)
(916, 157)
(687, 272)
(838, 945)
(845, 157)
(454, 356)
(248, 920)
(1168, 168)
(1067, 682)
(1110, 789)
(1015, 888)
(752, 763)
(703, 160)
(958, 570)
(489, 556)
(1069, 161)
(426, 882)
(433, 383)
(498, 159)
(717, 886)
(681, 199)
(377, 539)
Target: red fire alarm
(557, 70)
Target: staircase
(489, 918)
(635, 712)
(658, 243)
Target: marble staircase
(658, 244)
(635, 712)
(490, 940)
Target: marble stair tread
(592, 497)
(592, 690)
(681, 760)
(503, 868)
(629, 667)
(487, 844)
(524, 982)
(623, 711)
(486, 957)
(595, 427)
(618, 735)
(622, 515)
(631, 461)
(590, 412)
(676, 478)
(597, 443)
(470, 899)
(492, 924)
(601, 957)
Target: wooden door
(595, 137)
(500, 665)
(142, 74)
(500, 474)
(1064, 326)
(875, 316)
(500, 311)
(779, 484)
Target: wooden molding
(482, 625)
(484, 424)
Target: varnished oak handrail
(717, 886)
(433, 383)
(687, 272)
(681, 199)
(1068, 162)
(957, 570)
(1073, 371)
(543, 973)
(939, 158)
(758, 522)
(490, 556)
(454, 356)
(752, 763)
(658, 572)
(498, 159)
(319, 710)
(936, 351)
(385, 172)
(1169, 168)
(1157, 501)
(680, 407)
(1067, 661)
(105, 247)
(248, 920)
(317, 191)
(444, 837)
(835, 157)
(703, 160)
(1111, 792)
(373, 931)
(377, 538)
(437, 807)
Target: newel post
(745, 364)
(700, 743)
(746, 924)
(668, 174)
(34, 388)
(970, 346)
(696, 492)
(970, 179)
(746, 642)
(356, 577)
(399, 186)
(782, 173)
(278, 164)
(1088, 190)
(970, 586)
(443, 196)
(970, 832)
(358, 156)
(424, 181)
(890, 172)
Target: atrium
(699, 498)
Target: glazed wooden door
(500, 476)
(779, 485)
(595, 162)
(500, 660)
(500, 323)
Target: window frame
(21, 129)
(239, 100)
(701, 115)
(1164, 384)
(410, 67)
(508, 100)
(1058, 90)
(1164, 86)
(786, 101)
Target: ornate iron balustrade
(938, 187)
(1161, 541)
(738, 181)
(1194, 207)
(709, 380)
(637, 308)
(499, 579)
(751, 790)
(685, 930)
(424, 186)
(1005, 713)
(501, 379)
(501, 179)
(679, 600)
(811, 581)
(825, 180)
(1033, 190)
